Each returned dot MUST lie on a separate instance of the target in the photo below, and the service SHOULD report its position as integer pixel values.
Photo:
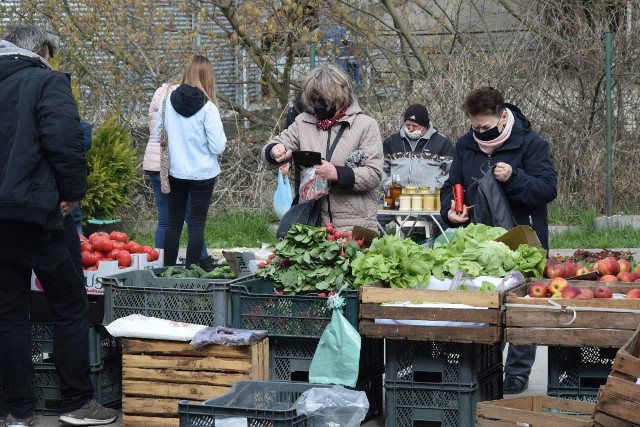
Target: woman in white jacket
(151, 167)
(195, 139)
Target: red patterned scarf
(327, 123)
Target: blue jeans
(195, 194)
(163, 213)
(55, 258)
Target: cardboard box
(518, 235)
(139, 261)
(91, 282)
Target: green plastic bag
(337, 358)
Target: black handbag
(490, 204)
(307, 213)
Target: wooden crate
(534, 411)
(156, 374)
(489, 302)
(599, 322)
(619, 399)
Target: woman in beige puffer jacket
(355, 168)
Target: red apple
(609, 265)
(538, 290)
(588, 293)
(557, 284)
(633, 293)
(570, 292)
(626, 276)
(569, 269)
(581, 269)
(583, 296)
(608, 278)
(637, 269)
(554, 270)
(637, 280)
(624, 265)
(603, 292)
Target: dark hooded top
(42, 152)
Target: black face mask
(487, 135)
(322, 111)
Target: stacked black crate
(439, 383)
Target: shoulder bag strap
(330, 150)
(164, 151)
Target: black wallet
(307, 158)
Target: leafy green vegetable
(401, 263)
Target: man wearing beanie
(418, 153)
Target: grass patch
(590, 238)
(228, 230)
(571, 215)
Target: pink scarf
(327, 123)
(488, 147)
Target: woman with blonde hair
(189, 165)
(354, 168)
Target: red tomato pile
(101, 246)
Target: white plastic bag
(283, 196)
(312, 187)
(335, 406)
(139, 326)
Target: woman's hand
(327, 171)
(454, 217)
(66, 207)
(502, 171)
(280, 154)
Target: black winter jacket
(531, 186)
(42, 154)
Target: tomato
(154, 255)
(124, 258)
(98, 235)
(104, 245)
(88, 258)
(92, 268)
(113, 254)
(119, 245)
(86, 246)
(119, 236)
(134, 247)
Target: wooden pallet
(489, 302)
(536, 321)
(534, 411)
(156, 374)
(619, 399)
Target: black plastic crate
(443, 406)
(290, 358)
(102, 346)
(190, 300)
(255, 306)
(262, 403)
(440, 363)
(578, 371)
(107, 384)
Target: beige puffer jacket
(349, 206)
(151, 159)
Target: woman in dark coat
(501, 140)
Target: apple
(603, 292)
(594, 266)
(538, 290)
(637, 280)
(633, 293)
(588, 293)
(581, 269)
(607, 266)
(557, 284)
(554, 270)
(583, 296)
(608, 278)
(570, 292)
(556, 295)
(569, 269)
(624, 265)
(626, 276)
(637, 269)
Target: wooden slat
(539, 419)
(186, 363)
(145, 346)
(567, 337)
(136, 421)
(626, 364)
(489, 335)
(525, 317)
(618, 408)
(624, 389)
(260, 361)
(184, 377)
(603, 303)
(375, 311)
(489, 299)
(149, 406)
(172, 390)
(606, 420)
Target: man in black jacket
(42, 178)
